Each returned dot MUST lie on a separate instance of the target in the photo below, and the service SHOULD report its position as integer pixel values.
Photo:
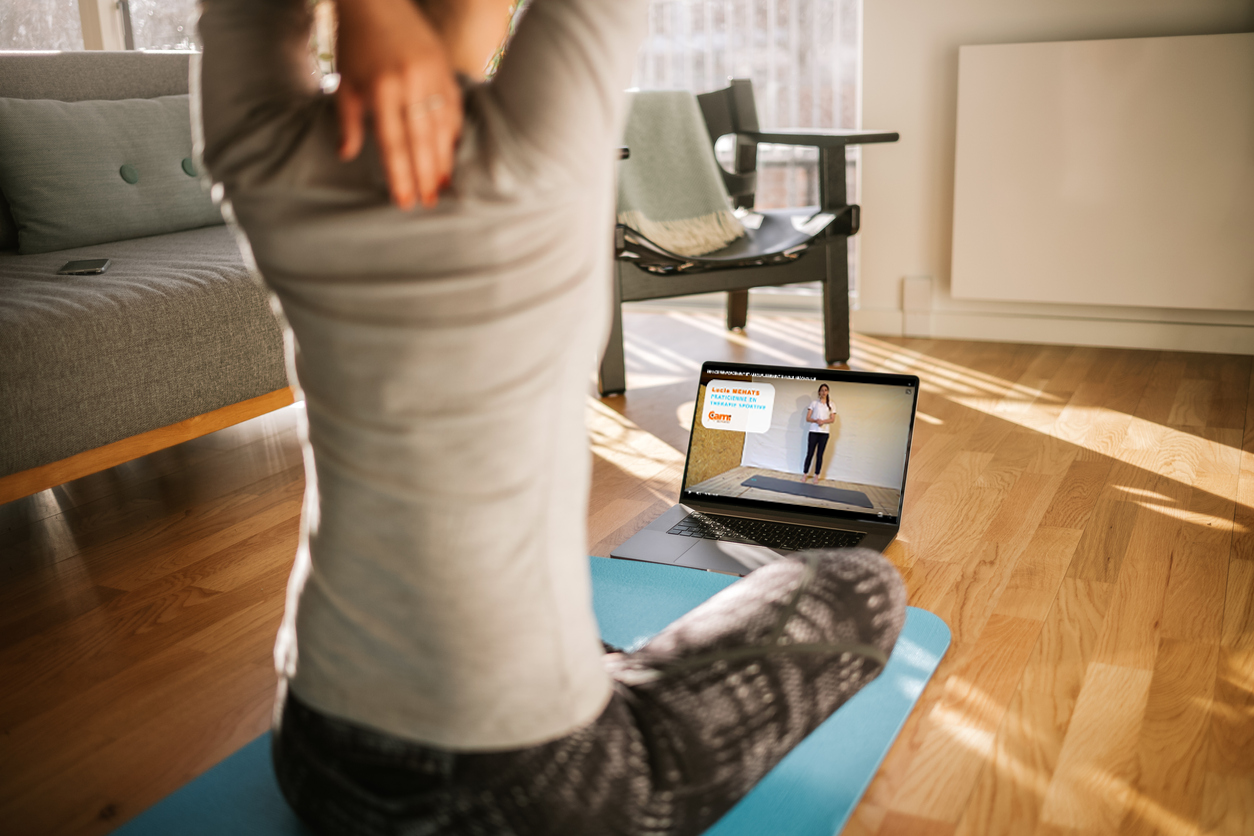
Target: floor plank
(1090, 788)
(1172, 749)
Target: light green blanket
(670, 189)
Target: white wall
(910, 83)
(867, 443)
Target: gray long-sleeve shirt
(441, 591)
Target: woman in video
(819, 417)
(440, 666)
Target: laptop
(745, 498)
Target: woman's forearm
(472, 30)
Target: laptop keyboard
(774, 535)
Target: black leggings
(698, 716)
(817, 441)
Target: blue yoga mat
(812, 792)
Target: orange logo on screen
(720, 417)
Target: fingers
(393, 139)
(417, 133)
(448, 127)
(424, 155)
(433, 121)
(351, 111)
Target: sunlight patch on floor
(684, 414)
(621, 442)
(968, 737)
(947, 378)
(1161, 820)
(716, 328)
(969, 706)
(1075, 424)
(660, 354)
(785, 331)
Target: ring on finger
(427, 105)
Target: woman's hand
(393, 64)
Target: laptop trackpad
(655, 546)
(722, 556)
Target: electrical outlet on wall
(916, 306)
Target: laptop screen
(816, 441)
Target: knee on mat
(844, 596)
(860, 589)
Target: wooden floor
(1080, 517)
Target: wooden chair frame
(732, 111)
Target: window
(164, 24)
(40, 24)
(58, 24)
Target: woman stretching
(440, 666)
(819, 416)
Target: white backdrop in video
(868, 440)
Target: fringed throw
(670, 190)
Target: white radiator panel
(1115, 172)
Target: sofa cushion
(81, 173)
(176, 328)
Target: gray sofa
(176, 327)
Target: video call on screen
(751, 440)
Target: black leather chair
(778, 252)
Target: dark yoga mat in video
(770, 483)
(811, 792)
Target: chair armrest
(819, 138)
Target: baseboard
(1214, 338)
(27, 482)
(1056, 330)
(879, 322)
